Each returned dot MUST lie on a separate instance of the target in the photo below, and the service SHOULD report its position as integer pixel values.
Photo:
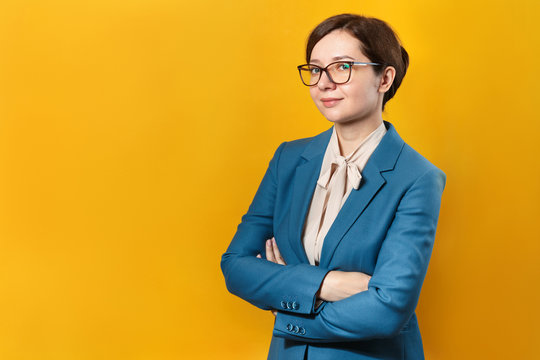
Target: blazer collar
(382, 159)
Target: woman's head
(377, 41)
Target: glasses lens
(340, 72)
(310, 74)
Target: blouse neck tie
(343, 165)
(339, 175)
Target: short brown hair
(379, 43)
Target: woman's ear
(387, 79)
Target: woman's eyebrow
(336, 58)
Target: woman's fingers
(270, 252)
(277, 254)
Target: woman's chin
(338, 120)
(337, 117)
(332, 117)
(350, 119)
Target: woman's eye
(344, 67)
(315, 71)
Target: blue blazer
(386, 229)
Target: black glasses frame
(308, 67)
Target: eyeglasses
(338, 72)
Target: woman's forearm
(338, 285)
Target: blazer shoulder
(414, 165)
(294, 153)
(309, 147)
(291, 154)
(297, 147)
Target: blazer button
(296, 329)
(289, 327)
(302, 331)
(284, 304)
(295, 305)
(289, 305)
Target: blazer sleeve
(267, 285)
(394, 288)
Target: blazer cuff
(303, 296)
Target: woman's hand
(338, 285)
(272, 252)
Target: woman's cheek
(313, 94)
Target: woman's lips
(330, 102)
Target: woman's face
(356, 100)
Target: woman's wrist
(327, 287)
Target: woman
(337, 240)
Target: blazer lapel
(305, 180)
(383, 159)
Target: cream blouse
(338, 176)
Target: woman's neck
(351, 134)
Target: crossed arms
(348, 312)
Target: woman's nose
(325, 82)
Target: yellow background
(133, 135)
